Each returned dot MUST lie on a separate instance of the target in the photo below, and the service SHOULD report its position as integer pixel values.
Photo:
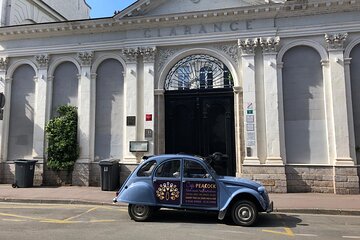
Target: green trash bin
(109, 177)
(24, 173)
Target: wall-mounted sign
(148, 117)
(139, 146)
(130, 121)
(148, 133)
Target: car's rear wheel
(244, 213)
(139, 213)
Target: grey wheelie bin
(24, 173)
(109, 178)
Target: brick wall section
(346, 180)
(272, 177)
(317, 179)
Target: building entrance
(199, 111)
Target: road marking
(287, 232)
(79, 215)
(13, 220)
(102, 221)
(306, 235)
(25, 217)
(352, 237)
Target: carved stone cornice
(247, 46)
(85, 58)
(131, 54)
(148, 54)
(163, 55)
(42, 60)
(335, 41)
(231, 50)
(3, 63)
(269, 44)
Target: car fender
(255, 194)
(138, 193)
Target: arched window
(198, 71)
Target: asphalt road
(59, 222)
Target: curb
(354, 212)
(52, 201)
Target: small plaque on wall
(139, 146)
(130, 121)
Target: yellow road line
(287, 232)
(13, 220)
(25, 217)
(76, 216)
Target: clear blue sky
(106, 8)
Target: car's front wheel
(244, 213)
(139, 213)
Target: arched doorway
(199, 109)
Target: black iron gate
(201, 122)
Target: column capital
(42, 60)
(270, 44)
(248, 46)
(85, 58)
(347, 61)
(3, 63)
(335, 41)
(131, 54)
(148, 54)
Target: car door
(199, 188)
(167, 183)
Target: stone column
(247, 48)
(271, 91)
(149, 99)
(81, 173)
(131, 104)
(40, 107)
(3, 67)
(335, 46)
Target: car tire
(139, 213)
(244, 213)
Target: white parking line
(306, 235)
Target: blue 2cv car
(189, 182)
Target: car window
(193, 169)
(147, 169)
(169, 169)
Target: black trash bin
(24, 173)
(109, 175)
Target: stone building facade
(271, 84)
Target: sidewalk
(288, 202)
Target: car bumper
(270, 207)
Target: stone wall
(57, 178)
(81, 174)
(95, 172)
(7, 173)
(346, 180)
(272, 177)
(318, 179)
(125, 170)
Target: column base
(344, 162)
(251, 161)
(274, 161)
